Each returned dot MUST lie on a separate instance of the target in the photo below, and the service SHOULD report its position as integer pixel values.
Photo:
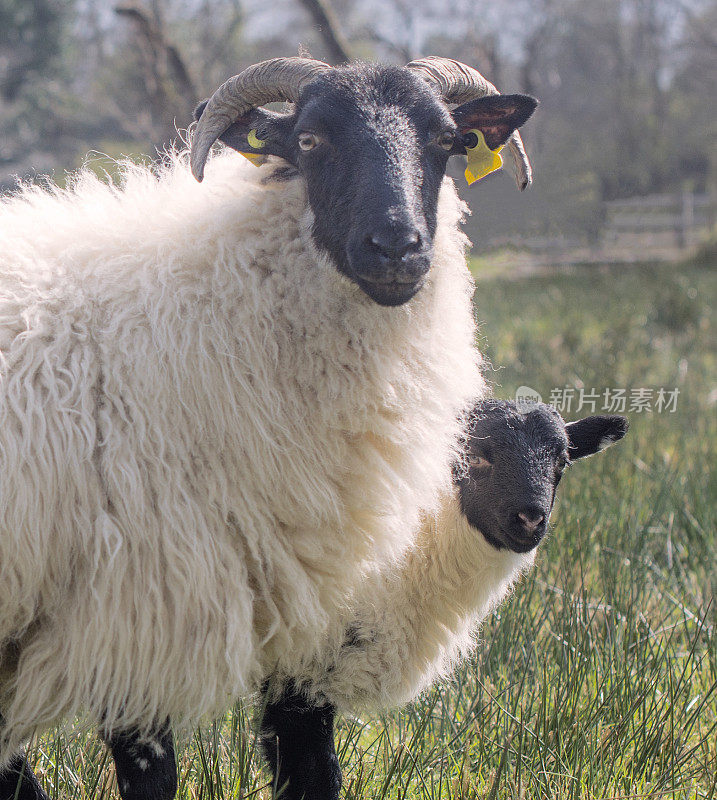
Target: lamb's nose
(531, 519)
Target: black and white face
(374, 175)
(515, 461)
(372, 144)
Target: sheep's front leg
(17, 780)
(297, 739)
(146, 769)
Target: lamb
(412, 620)
(466, 558)
(221, 403)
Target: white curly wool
(207, 437)
(414, 617)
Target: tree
(31, 40)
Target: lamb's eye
(308, 141)
(478, 462)
(446, 140)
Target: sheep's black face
(515, 460)
(372, 144)
(374, 175)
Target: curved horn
(458, 83)
(269, 81)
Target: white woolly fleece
(413, 618)
(207, 437)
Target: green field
(598, 678)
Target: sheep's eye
(308, 141)
(446, 140)
(561, 464)
(478, 462)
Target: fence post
(687, 219)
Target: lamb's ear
(592, 434)
(259, 132)
(496, 116)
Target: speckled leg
(146, 769)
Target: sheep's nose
(531, 518)
(394, 245)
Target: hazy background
(597, 679)
(627, 90)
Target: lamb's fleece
(413, 617)
(207, 436)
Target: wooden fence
(683, 216)
(650, 228)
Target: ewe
(221, 403)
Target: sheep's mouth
(388, 280)
(502, 539)
(523, 543)
(390, 293)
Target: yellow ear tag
(257, 159)
(481, 159)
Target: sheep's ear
(496, 116)
(258, 133)
(593, 434)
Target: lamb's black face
(515, 461)
(372, 144)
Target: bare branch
(149, 29)
(216, 50)
(328, 26)
(402, 52)
(697, 26)
(170, 88)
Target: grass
(598, 678)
